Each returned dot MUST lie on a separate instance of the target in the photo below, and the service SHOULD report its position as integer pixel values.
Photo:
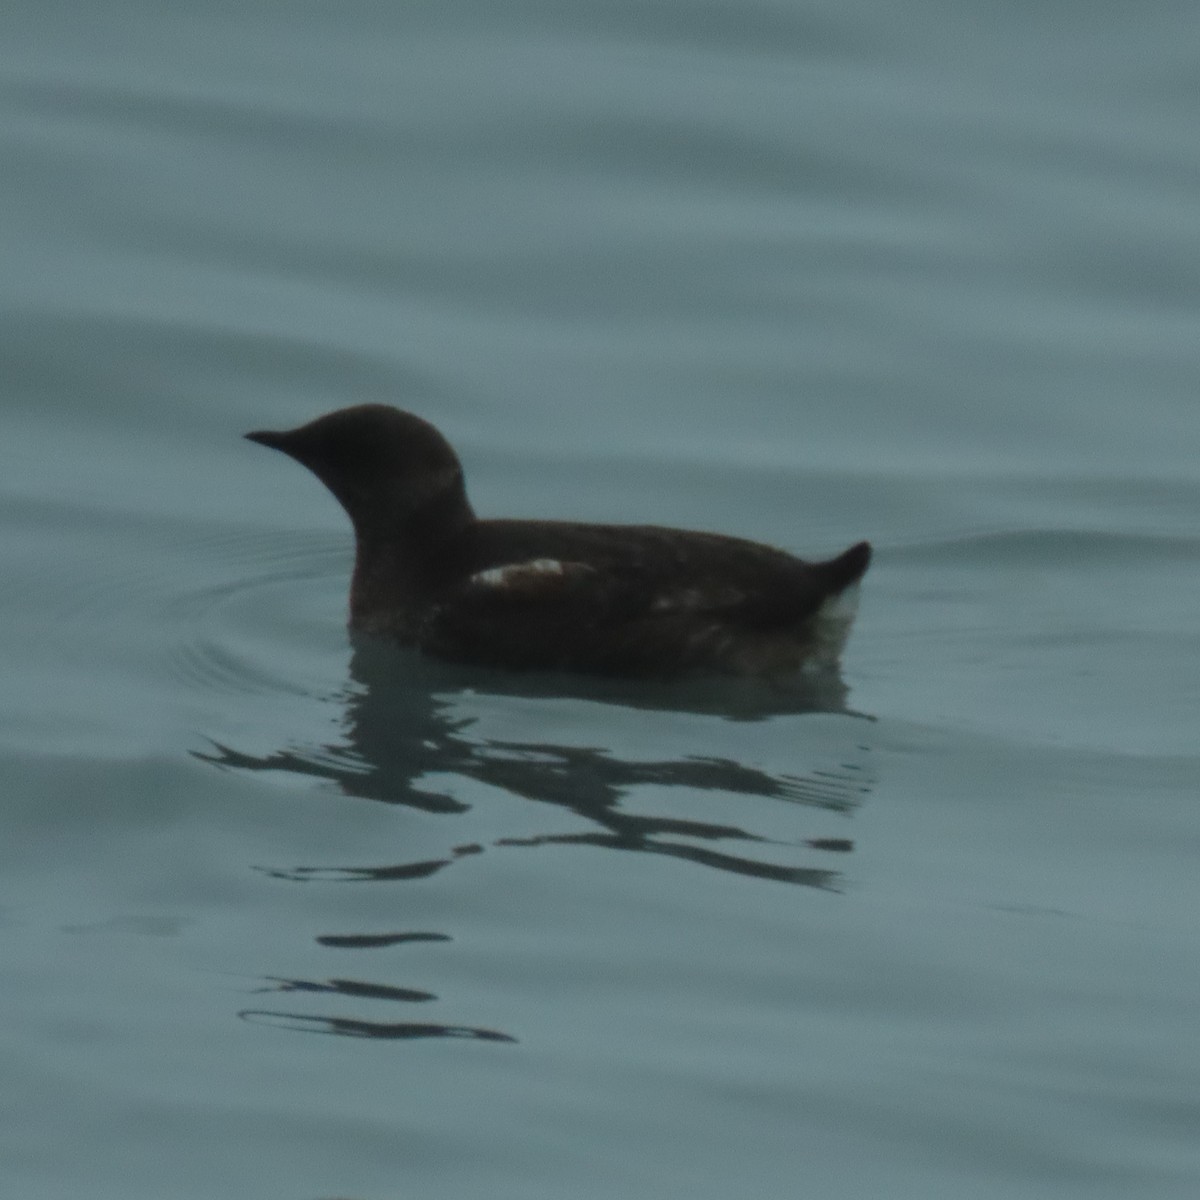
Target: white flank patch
(674, 601)
(506, 575)
(840, 609)
(831, 625)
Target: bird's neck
(402, 566)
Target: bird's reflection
(410, 723)
(350, 1027)
(386, 1031)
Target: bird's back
(640, 600)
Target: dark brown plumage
(606, 599)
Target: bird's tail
(848, 567)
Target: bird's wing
(549, 613)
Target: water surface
(283, 916)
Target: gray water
(282, 918)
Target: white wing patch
(515, 573)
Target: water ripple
(1036, 547)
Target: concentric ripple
(257, 630)
(107, 611)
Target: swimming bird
(623, 600)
